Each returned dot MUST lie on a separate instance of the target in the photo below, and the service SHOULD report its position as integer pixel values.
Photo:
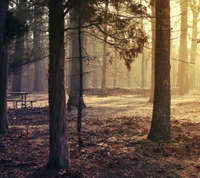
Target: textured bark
(3, 91)
(3, 10)
(58, 147)
(160, 126)
(3, 70)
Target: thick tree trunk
(59, 151)
(3, 91)
(160, 126)
(3, 11)
(3, 70)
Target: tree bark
(59, 149)
(3, 70)
(160, 126)
(3, 91)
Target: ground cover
(115, 145)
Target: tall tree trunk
(193, 53)
(80, 102)
(3, 70)
(95, 66)
(183, 55)
(38, 77)
(103, 82)
(160, 126)
(128, 79)
(115, 71)
(153, 29)
(17, 74)
(74, 64)
(142, 72)
(19, 51)
(115, 58)
(142, 57)
(3, 90)
(84, 60)
(58, 147)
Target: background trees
(116, 25)
(183, 72)
(194, 6)
(13, 27)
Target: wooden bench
(23, 103)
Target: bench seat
(16, 101)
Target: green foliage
(120, 23)
(14, 28)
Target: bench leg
(15, 104)
(31, 102)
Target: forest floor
(115, 132)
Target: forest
(99, 88)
